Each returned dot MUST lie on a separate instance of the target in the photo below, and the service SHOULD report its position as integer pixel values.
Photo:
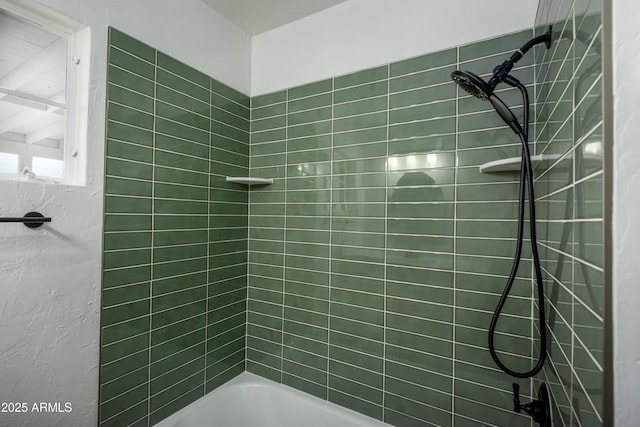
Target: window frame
(78, 37)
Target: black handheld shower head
(472, 84)
(476, 86)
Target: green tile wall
(175, 236)
(375, 258)
(570, 194)
(378, 254)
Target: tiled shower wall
(378, 254)
(570, 200)
(174, 284)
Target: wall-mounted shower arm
(502, 71)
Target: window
(43, 92)
(9, 163)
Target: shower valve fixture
(538, 409)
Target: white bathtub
(249, 400)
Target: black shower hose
(526, 185)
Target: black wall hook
(30, 219)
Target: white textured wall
(626, 211)
(50, 277)
(360, 34)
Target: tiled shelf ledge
(249, 180)
(512, 164)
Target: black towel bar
(30, 219)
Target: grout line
(386, 251)
(455, 252)
(330, 243)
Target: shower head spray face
(472, 84)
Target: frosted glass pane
(47, 167)
(8, 163)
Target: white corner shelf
(512, 164)
(246, 180)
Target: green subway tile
(131, 62)
(115, 204)
(422, 112)
(124, 312)
(130, 98)
(179, 84)
(115, 351)
(416, 388)
(360, 136)
(310, 89)
(195, 150)
(179, 267)
(177, 253)
(123, 294)
(180, 176)
(126, 276)
(308, 116)
(274, 122)
(421, 79)
(175, 352)
(360, 107)
(182, 116)
(127, 222)
(369, 90)
(412, 357)
(421, 210)
(230, 132)
(488, 192)
(175, 222)
(422, 145)
(130, 80)
(304, 330)
(128, 133)
(186, 162)
(475, 411)
(129, 44)
(171, 315)
(422, 96)
(311, 129)
(126, 169)
(182, 70)
(126, 258)
(168, 380)
(504, 44)
(230, 93)
(129, 116)
(268, 99)
(224, 156)
(178, 328)
(115, 241)
(231, 114)
(181, 100)
(180, 130)
(126, 400)
(312, 156)
(424, 62)
(353, 388)
(127, 151)
(360, 122)
(423, 128)
(180, 192)
(361, 77)
(124, 383)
